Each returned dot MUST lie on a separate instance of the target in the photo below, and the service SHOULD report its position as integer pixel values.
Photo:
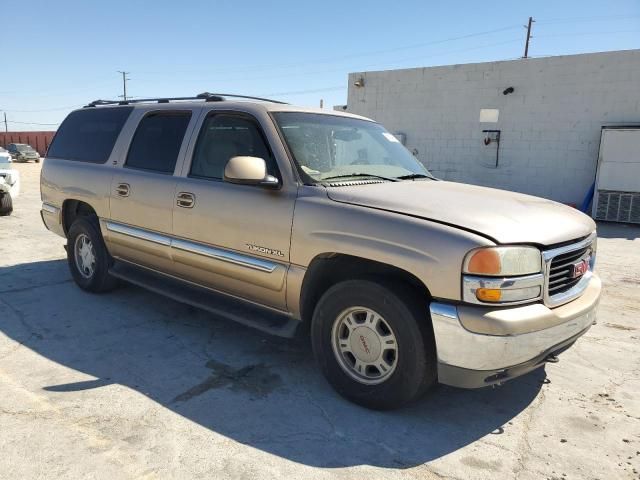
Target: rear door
(232, 238)
(143, 188)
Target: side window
(156, 143)
(224, 136)
(88, 135)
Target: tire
(6, 204)
(396, 316)
(38, 161)
(88, 258)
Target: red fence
(38, 140)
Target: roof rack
(216, 97)
(206, 96)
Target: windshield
(24, 148)
(331, 148)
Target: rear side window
(89, 135)
(157, 141)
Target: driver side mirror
(249, 171)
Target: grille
(561, 270)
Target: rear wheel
(6, 204)
(374, 344)
(88, 258)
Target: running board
(225, 306)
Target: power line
(300, 92)
(69, 107)
(430, 43)
(359, 54)
(363, 66)
(389, 50)
(586, 33)
(586, 19)
(58, 92)
(340, 69)
(31, 123)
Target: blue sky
(59, 55)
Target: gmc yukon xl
(277, 216)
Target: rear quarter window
(89, 135)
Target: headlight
(502, 275)
(503, 261)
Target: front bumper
(479, 346)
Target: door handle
(186, 200)
(123, 189)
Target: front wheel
(88, 258)
(374, 344)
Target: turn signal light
(489, 294)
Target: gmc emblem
(580, 268)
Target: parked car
(277, 216)
(9, 183)
(5, 156)
(21, 152)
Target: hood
(505, 217)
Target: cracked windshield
(330, 148)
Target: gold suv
(277, 216)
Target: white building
(549, 124)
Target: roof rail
(210, 97)
(206, 96)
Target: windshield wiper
(333, 177)
(413, 176)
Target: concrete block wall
(550, 125)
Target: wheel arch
(327, 269)
(73, 209)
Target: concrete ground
(133, 385)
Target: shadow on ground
(256, 389)
(618, 230)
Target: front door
(143, 191)
(232, 238)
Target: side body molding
(257, 271)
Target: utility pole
(526, 46)
(124, 84)
(6, 128)
(321, 103)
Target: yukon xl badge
(265, 250)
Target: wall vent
(618, 206)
